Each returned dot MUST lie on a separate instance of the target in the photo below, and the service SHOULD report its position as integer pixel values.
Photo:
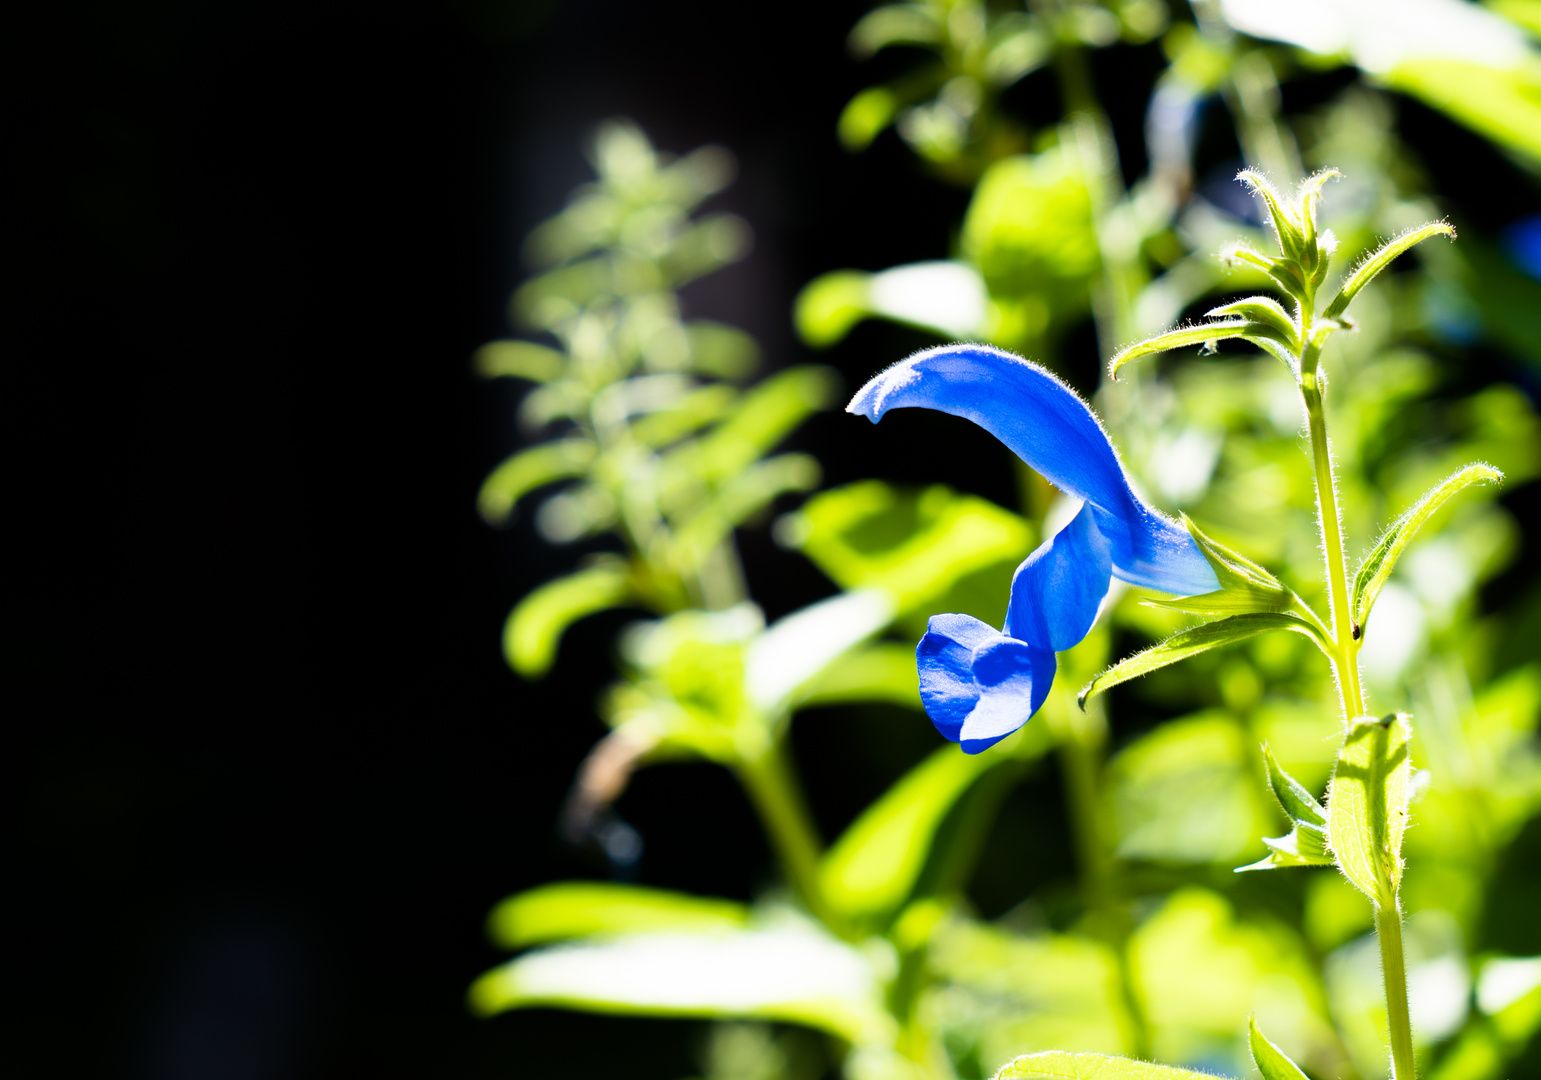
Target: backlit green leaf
(871, 869)
(1372, 264)
(1382, 559)
(536, 624)
(519, 360)
(1058, 1065)
(529, 469)
(1191, 642)
(1272, 1062)
(1367, 805)
(1265, 311)
(789, 971)
(1244, 585)
(574, 909)
(884, 671)
(1205, 334)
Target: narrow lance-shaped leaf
(1264, 310)
(1286, 229)
(1059, 1065)
(1377, 261)
(1191, 642)
(1382, 559)
(575, 909)
(518, 360)
(1306, 844)
(529, 469)
(1272, 1062)
(1367, 805)
(536, 624)
(1180, 338)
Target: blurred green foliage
(1159, 950)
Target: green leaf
(1498, 102)
(518, 360)
(1298, 803)
(1205, 334)
(574, 909)
(1272, 1062)
(1372, 264)
(721, 350)
(1306, 844)
(537, 622)
(913, 545)
(787, 971)
(871, 869)
(1191, 642)
(1265, 311)
(893, 24)
(764, 416)
(884, 671)
(1367, 805)
(1287, 229)
(865, 116)
(1244, 585)
(830, 305)
(529, 469)
(1059, 1065)
(1382, 559)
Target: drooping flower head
(980, 684)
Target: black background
(268, 771)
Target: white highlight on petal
(1380, 34)
(802, 644)
(1001, 710)
(944, 295)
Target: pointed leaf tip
(1272, 1062)
(1382, 559)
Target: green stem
(768, 778)
(1388, 928)
(1345, 655)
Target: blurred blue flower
(980, 684)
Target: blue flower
(980, 684)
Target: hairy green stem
(1388, 928)
(1345, 658)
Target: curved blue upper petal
(1048, 426)
(1058, 588)
(977, 684)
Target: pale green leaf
(1059, 1065)
(1367, 805)
(797, 647)
(884, 671)
(864, 118)
(763, 417)
(789, 971)
(830, 305)
(574, 909)
(518, 360)
(1286, 225)
(1272, 1062)
(1294, 799)
(1382, 559)
(537, 622)
(893, 24)
(1372, 264)
(1191, 642)
(721, 350)
(1205, 334)
(529, 469)
(1265, 311)
(914, 545)
(1501, 103)
(871, 869)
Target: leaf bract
(1378, 260)
(1191, 642)
(1382, 559)
(1272, 1062)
